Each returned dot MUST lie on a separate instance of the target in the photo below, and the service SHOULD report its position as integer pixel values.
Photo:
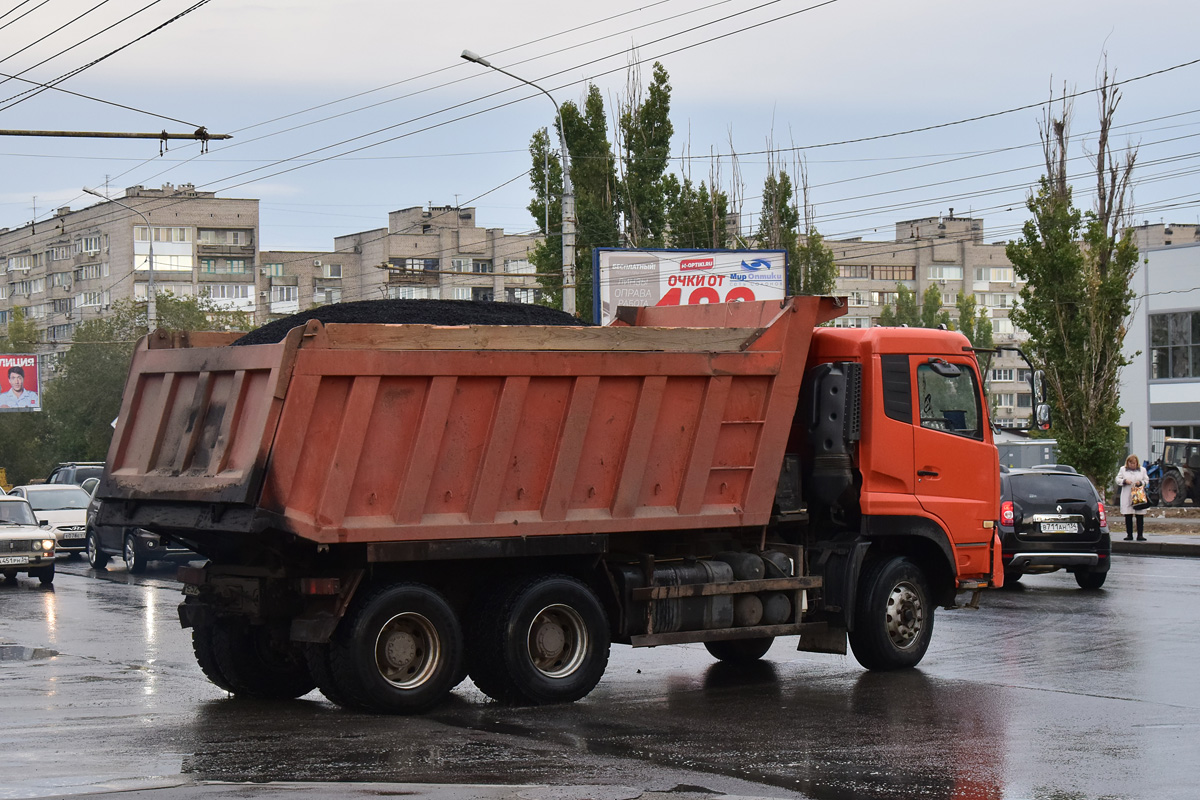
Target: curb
(1153, 548)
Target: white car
(64, 507)
(25, 546)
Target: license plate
(1060, 527)
(14, 559)
(74, 534)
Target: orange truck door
(957, 469)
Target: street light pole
(568, 200)
(151, 306)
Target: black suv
(1053, 518)
(76, 472)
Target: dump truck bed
(670, 418)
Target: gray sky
(424, 126)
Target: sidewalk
(1169, 532)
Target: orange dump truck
(387, 509)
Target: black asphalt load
(414, 312)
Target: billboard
(684, 277)
(20, 384)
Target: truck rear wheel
(202, 646)
(257, 661)
(546, 640)
(317, 656)
(398, 652)
(893, 619)
(740, 651)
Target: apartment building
(950, 253)
(73, 267)
(423, 253)
(1160, 388)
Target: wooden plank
(502, 363)
(418, 474)
(506, 420)
(570, 448)
(538, 337)
(637, 450)
(736, 587)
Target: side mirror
(1041, 409)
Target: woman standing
(1131, 475)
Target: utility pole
(568, 200)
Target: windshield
(57, 498)
(16, 512)
(1050, 488)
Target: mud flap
(997, 581)
(823, 638)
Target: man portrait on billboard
(17, 396)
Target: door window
(949, 398)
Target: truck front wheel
(398, 652)
(893, 619)
(546, 640)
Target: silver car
(25, 546)
(64, 507)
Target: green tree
(593, 173)
(976, 326)
(932, 314)
(644, 143)
(777, 224)
(814, 270)
(695, 216)
(904, 312)
(1078, 268)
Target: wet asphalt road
(1045, 692)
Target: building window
(1002, 375)
(1002, 274)
(207, 236)
(1023, 375)
(1002, 326)
(1175, 345)
(1005, 399)
(91, 272)
(460, 264)
(894, 273)
(461, 293)
(163, 234)
(237, 265)
(854, 271)
(284, 294)
(482, 266)
(60, 253)
(332, 271)
(1001, 301)
(274, 270)
(950, 299)
(233, 291)
(1024, 400)
(519, 266)
(520, 295)
(208, 265)
(858, 299)
(852, 322)
(884, 298)
(411, 292)
(945, 273)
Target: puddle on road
(19, 652)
